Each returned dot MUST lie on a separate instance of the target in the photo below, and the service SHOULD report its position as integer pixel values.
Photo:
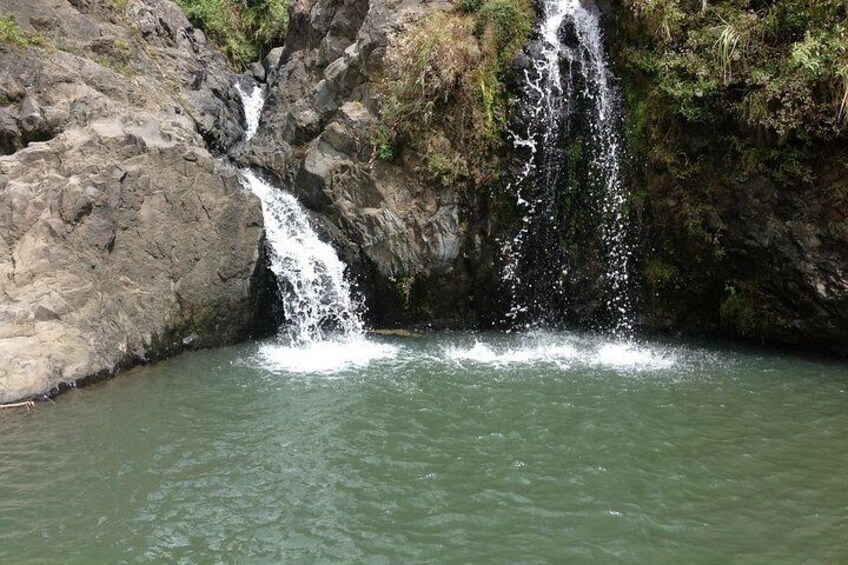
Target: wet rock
(320, 121)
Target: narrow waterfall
(570, 177)
(252, 103)
(315, 292)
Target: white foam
(487, 355)
(630, 356)
(564, 354)
(324, 357)
(314, 289)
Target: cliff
(736, 131)
(122, 238)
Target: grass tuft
(12, 34)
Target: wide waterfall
(571, 152)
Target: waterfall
(314, 290)
(252, 104)
(568, 83)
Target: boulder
(122, 238)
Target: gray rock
(258, 72)
(122, 238)
(320, 122)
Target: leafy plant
(244, 31)
(383, 146)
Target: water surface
(451, 448)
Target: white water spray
(316, 294)
(252, 103)
(314, 290)
(551, 95)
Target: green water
(444, 449)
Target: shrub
(243, 31)
(443, 85)
(781, 66)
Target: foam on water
(564, 352)
(486, 354)
(326, 357)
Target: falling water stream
(315, 293)
(567, 76)
(313, 286)
(323, 329)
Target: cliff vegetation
(737, 115)
(444, 87)
(244, 31)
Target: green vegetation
(244, 31)
(733, 111)
(12, 34)
(744, 312)
(383, 146)
(443, 86)
(120, 5)
(781, 65)
(118, 55)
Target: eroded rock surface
(412, 244)
(122, 239)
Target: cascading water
(252, 103)
(315, 293)
(569, 129)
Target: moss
(781, 66)
(120, 6)
(244, 31)
(730, 112)
(118, 56)
(744, 312)
(660, 273)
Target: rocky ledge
(422, 252)
(122, 238)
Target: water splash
(316, 295)
(566, 352)
(566, 76)
(328, 357)
(252, 104)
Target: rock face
(745, 222)
(419, 250)
(122, 239)
(769, 264)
